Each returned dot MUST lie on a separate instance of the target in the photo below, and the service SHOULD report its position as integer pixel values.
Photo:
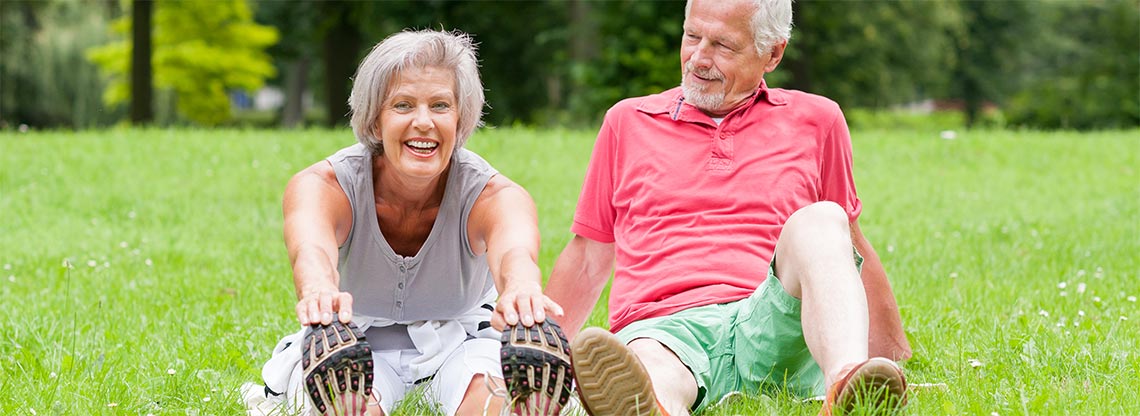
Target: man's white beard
(700, 99)
(693, 95)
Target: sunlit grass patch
(142, 271)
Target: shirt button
(399, 304)
(403, 269)
(400, 285)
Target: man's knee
(823, 214)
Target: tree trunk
(296, 81)
(142, 111)
(341, 46)
(799, 68)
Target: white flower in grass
(131, 214)
(7, 266)
(206, 399)
(953, 275)
(92, 263)
(33, 411)
(1132, 299)
(66, 264)
(1096, 299)
(1081, 272)
(1123, 318)
(52, 375)
(170, 371)
(1081, 288)
(1043, 313)
(123, 244)
(112, 405)
(890, 248)
(12, 278)
(975, 363)
(1064, 293)
(1080, 313)
(148, 262)
(994, 414)
(1062, 285)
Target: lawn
(142, 271)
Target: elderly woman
(405, 241)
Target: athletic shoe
(337, 367)
(611, 379)
(536, 369)
(877, 385)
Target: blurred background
(79, 64)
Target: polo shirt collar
(672, 102)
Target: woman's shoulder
(469, 161)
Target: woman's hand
(317, 306)
(523, 302)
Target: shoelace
(496, 391)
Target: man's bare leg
(814, 263)
(673, 382)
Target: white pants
(475, 356)
(392, 378)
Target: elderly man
(726, 212)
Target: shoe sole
(336, 360)
(878, 384)
(611, 379)
(536, 368)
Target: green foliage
(44, 80)
(868, 53)
(202, 50)
(638, 53)
(1092, 78)
(1012, 255)
(993, 46)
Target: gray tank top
(445, 278)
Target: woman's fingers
(318, 307)
(526, 311)
(343, 307)
(325, 303)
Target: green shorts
(753, 345)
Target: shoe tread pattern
(611, 380)
(536, 368)
(336, 360)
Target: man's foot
(877, 385)
(337, 365)
(611, 379)
(536, 369)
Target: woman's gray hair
(410, 50)
(771, 23)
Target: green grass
(1013, 254)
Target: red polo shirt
(693, 207)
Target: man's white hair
(771, 23)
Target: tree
(295, 54)
(44, 80)
(141, 84)
(202, 50)
(868, 53)
(991, 49)
(1086, 71)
